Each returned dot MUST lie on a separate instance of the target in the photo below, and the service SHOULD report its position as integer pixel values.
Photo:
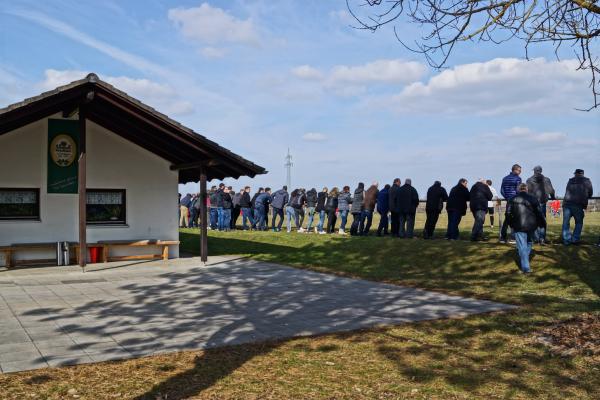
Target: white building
(126, 167)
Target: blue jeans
(524, 244)
(367, 216)
(577, 213)
(226, 219)
(259, 218)
(214, 218)
(220, 218)
(454, 218)
(311, 217)
(291, 213)
(193, 215)
(247, 216)
(277, 212)
(321, 221)
(357, 223)
(344, 217)
(383, 223)
(477, 231)
(540, 233)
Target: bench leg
(165, 252)
(105, 254)
(8, 258)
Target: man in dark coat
(246, 208)
(479, 196)
(368, 209)
(227, 204)
(540, 187)
(311, 204)
(524, 217)
(357, 208)
(456, 207)
(383, 208)
(394, 205)
(579, 190)
(279, 200)
(436, 197)
(261, 205)
(508, 189)
(214, 213)
(409, 201)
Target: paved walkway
(60, 316)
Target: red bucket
(95, 254)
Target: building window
(106, 207)
(20, 204)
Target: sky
(259, 77)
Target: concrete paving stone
(15, 366)
(17, 347)
(62, 341)
(15, 336)
(111, 356)
(19, 356)
(61, 361)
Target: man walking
(508, 189)
(184, 207)
(368, 208)
(395, 207)
(491, 203)
(456, 208)
(436, 197)
(524, 216)
(409, 201)
(540, 187)
(383, 208)
(279, 200)
(579, 190)
(479, 196)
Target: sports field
(485, 356)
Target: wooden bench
(107, 245)
(9, 251)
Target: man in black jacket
(579, 190)
(395, 208)
(246, 208)
(311, 204)
(409, 201)
(540, 187)
(227, 204)
(436, 197)
(456, 208)
(524, 216)
(214, 213)
(479, 196)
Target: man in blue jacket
(383, 208)
(509, 189)
(279, 200)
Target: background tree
(574, 23)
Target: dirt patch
(577, 335)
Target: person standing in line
(197, 210)
(184, 207)
(227, 207)
(290, 211)
(311, 204)
(383, 208)
(220, 192)
(331, 208)
(278, 202)
(368, 208)
(409, 201)
(344, 202)
(524, 216)
(213, 210)
(236, 209)
(321, 201)
(245, 204)
(300, 210)
(508, 189)
(394, 204)
(492, 203)
(357, 208)
(253, 204)
(540, 187)
(479, 196)
(261, 204)
(456, 207)
(436, 197)
(579, 191)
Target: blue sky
(261, 76)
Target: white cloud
(306, 72)
(213, 25)
(343, 16)
(163, 97)
(519, 134)
(314, 137)
(213, 52)
(353, 80)
(499, 86)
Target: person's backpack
(298, 201)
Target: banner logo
(62, 150)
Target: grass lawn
(486, 356)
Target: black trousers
(331, 220)
(277, 212)
(407, 225)
(395, 222)
(235, 214)
(430, 223)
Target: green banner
(63, 142)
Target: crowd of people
(397, 205)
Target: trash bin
(95, 254)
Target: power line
(288, 167)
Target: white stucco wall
(112, 163)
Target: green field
(491, 356)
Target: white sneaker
(341, 232)
(316, 230)
(300, 230)
(322, 233)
